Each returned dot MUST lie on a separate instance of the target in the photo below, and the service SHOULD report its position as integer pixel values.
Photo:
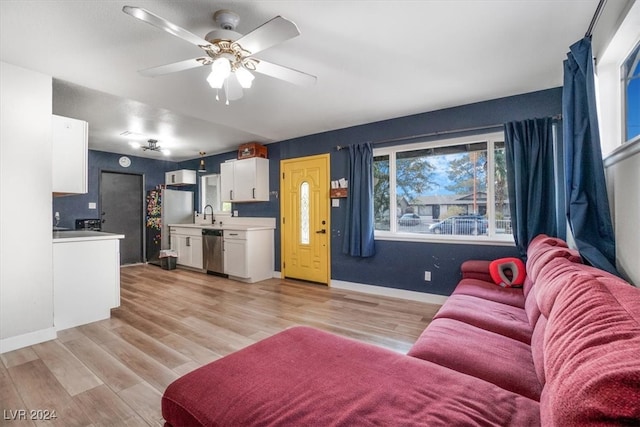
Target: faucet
(204, 211)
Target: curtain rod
(596, 16)
(438, 133)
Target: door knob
(323, 231)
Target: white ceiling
(374, 60)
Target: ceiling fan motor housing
(226, 19)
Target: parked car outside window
(474, 225)
(409, 219)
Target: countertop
(230, 227)
(83, 235)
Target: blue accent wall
(77, 206)
(397, 264)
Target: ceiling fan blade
(268, 34)
(161, 23)
(173, 68)
(285, 73)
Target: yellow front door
(305, 210)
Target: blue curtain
(358, 234)
(530, 179)
(587, 204)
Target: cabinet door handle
(230, 194)
(253, 193)
(188, 241)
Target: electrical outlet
(427, 276)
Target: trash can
(168, 259)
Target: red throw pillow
(499, 268)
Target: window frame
(624, 94)
(395, 235)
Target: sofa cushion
(492, 316)
(538, 259)
(531, 307)
(303, 376)
(537, 348)
(561, 273)
(591, 345)
(476, 269)
(492, 357)
(491, 292)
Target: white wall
(617, 33)
(26, 253)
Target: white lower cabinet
(236, 261)
(248, 255)
(187, 242)
(86, 281)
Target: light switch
(335, 203)
(92, 205)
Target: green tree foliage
(381, 191)
(414, 176)
(468, 173)
(500, 181)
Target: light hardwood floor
(113, 372)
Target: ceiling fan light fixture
(245, 78)
(220, 70)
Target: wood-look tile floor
(113, 372)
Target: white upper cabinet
(245, 180)
(180, 177)
(69, 155)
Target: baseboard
(382, 291)
(389, 292)
(25, 340)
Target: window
(631, 94)
(452, 189)
(210, 194)
(304, 213)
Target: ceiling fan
(229, 53)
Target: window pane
(210, 194)
(304, 213)
(442, 190)
(631, 80)
(503, 214)
(381, 192)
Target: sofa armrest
(476, 269)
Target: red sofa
(564, 350)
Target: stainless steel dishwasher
(212, 251)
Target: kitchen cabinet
(245, 180)
(248, 254)
(86, 277)
(187, 242)
(69, 153)
(180, 177)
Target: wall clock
(124, 161)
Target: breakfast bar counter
(86, 277)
